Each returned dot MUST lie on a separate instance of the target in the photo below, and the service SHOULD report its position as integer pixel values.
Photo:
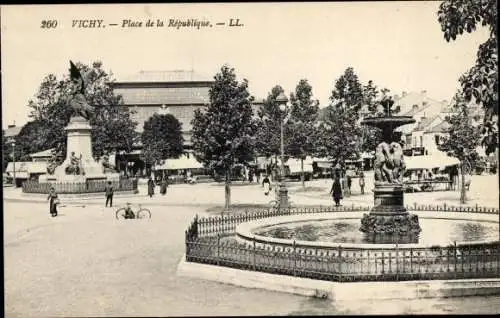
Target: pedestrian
(54, 201)
(349, 184)
(109, 194)
(163, 186)
(266, 184)
(362, 182)
(257, 175)
(250, 176)
(151, 187)
(336, 191)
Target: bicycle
(142, 213)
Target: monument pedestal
(79, 142)
(389, 221)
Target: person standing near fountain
(151, 187)
(266, 184)
(54, 201)
(362, 182)
(336, 191)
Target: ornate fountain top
(389, 164)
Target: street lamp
(13, 143)
(283, 192)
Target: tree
(340, 131)
(223, 131)
(30, 139)
(480, 83)
(113, 127)
(462, 140)
(162, 138)
(269, 116)
(301, 129)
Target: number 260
(47, 24)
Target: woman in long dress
(151, 187)
(336, 191)
(53, 201)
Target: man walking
(109, 194)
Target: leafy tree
(340, 132)
(31, 139)
(269, 116)
(301, 131)
(162, 138)
(480, 83)
(6, 151)
(113, 127)
(463, 138)
(223, 131)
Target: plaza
(86, 263)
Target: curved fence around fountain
(211, 240)
(90, 186)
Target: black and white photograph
(250, 159)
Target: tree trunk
(462, 191)
(302, 178)
(227, 189)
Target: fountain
(389, 221)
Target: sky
(398, 45)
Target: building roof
(166, 76)
(12, 131)
(42, 154)
(425, 122)
(407, 101)
(164, 95)
(442, 127)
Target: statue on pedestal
(107, 167)
(77, 100)
(74, 166)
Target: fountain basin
(436, 222)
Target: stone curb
(336, 291)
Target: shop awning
(429, 162)
(27, 167)
(184, 162)
(295, 166)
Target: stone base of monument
(389, 222)
(79, 143)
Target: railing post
(340, 262)
(294, 258)
(456, 257)
(218, 248)
(383, 263)
(411, 262)
(397, 261)
(254, 252)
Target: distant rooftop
(12, 131)
(166, 76)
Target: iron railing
(210, 241)
(90, 186)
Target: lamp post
(14, 161)
(283, 191)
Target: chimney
(425, 103)
(404, 94)
(444, 102)
(396, 97)
(423, 93)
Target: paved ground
(86, 263)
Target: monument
(389, 221)
(79, 165)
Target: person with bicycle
(129, 214)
